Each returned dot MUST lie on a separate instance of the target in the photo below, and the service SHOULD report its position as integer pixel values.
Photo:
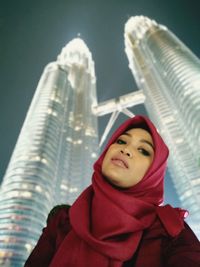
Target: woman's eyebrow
(125, 133)
(142, 140)
(147, 142)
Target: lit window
(73, 189)
(64, 187)
(24, 186)
(94, 155)
(35, 158)
(44, 161)
(77, 142)
(56, 99)
(5, 253)
(69, 139)
(38, 188)
(195, 182)
(28, 247)
(25, 194)
(179, 140)
(77, 128)
(89, 131)
(52, 112)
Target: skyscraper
(53, 156)
(169, 75)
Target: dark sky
(32, 34)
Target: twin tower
(58, 143)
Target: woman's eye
(144, 152)
(121, 142)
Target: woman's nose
(127, 152)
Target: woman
(118, 221)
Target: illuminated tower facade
(169, 75)
(53, 157)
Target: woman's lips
(120, 162)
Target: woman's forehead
(139, 132)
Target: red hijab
(108, 223)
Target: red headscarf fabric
(108, 223)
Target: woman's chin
(116, 184)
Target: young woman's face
(128, 159)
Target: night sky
(32, 34)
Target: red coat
(164, 251)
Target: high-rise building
(53, 156)
(169, 75)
